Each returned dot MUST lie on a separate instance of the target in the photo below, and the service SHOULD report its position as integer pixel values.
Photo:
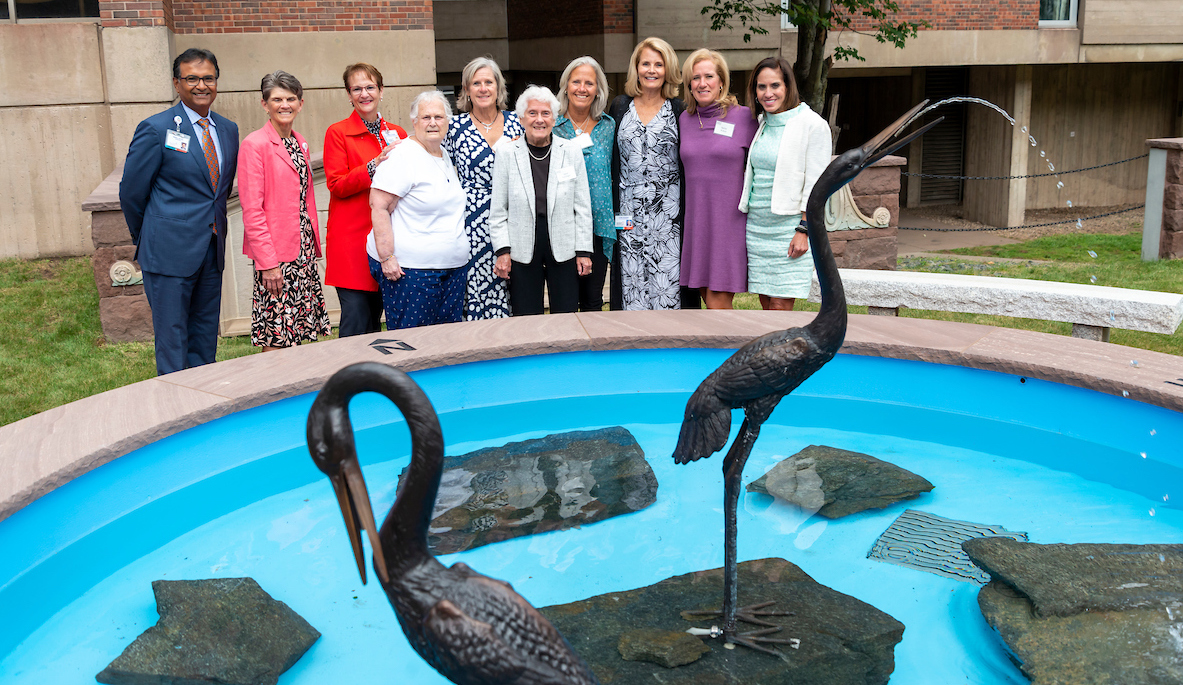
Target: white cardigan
(805, 152)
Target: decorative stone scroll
(842, 214)
(124, 273)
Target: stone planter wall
(123, 309)
(1170, 242)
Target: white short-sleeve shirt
(428, 221)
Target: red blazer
(349, 147)
(269, 191)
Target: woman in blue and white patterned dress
(471, 136)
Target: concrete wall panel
(988, 144)
(317, 58)
(64, 152)
(684, 26)
(49, 64)
(138, 64)
(470, 20)
(955, 48)
(124, 119)
(1131, 21)
(452, 55)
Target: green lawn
(52, 349)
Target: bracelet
(387, 259)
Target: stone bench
(1092, 310)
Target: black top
(540, 170)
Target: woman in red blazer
(280, 233)
(353, 149)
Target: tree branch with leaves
(814, 20)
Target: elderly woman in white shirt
(540, 219)
(417, 248)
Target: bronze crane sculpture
(766, 369)
(473, 629)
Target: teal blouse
(598, 159)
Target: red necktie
(211, 152)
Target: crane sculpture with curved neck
(473, 629)
(766, 369)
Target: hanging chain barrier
(1008, 178)
(1015, 228)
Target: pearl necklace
(538, 159)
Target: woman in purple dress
(715, 132)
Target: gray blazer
(568, 201)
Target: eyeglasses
(428, 118)
(358, 90)
(192, 81)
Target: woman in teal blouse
(583, 94)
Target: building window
(1057, 13)
(20, 10)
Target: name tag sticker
(583, 141)
(722, 128)
(566, 174)
(389, 136)
(624, 222)
(175, 140)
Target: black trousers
(361, 312)
(526, 280)
(591, 286)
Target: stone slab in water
(1081, 614)
(843, 640)
(1132, 647)
(1064, 580)
(669, 648)
(557, 482)
(836, 482)
(226, 631)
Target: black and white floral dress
(650, 191)
(299, 312)
(486, 296)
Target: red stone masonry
(618, 16)
(142, 13)
(263, 16)
(965, 15)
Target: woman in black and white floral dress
(649, 172)
(471, 136)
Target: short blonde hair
(463, 103)
(632, 86)
(601, 99)
(724, 99)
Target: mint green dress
(770, 270)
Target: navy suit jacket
(167, 197)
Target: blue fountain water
(239, 496)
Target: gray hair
(541, 94)
(281, 79)
(463, 103)
(601, 99)
(430, 96)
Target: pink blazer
(269, 191)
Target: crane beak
(354, 500)
(883, 144)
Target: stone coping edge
(45, 451)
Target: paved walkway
(922, 242)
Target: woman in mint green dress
(791, 149)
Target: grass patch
(52, 347)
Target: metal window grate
(944, 145)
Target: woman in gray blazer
(540, 219)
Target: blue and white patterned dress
(650, 191)
(487, 296)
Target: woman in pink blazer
(280, 232)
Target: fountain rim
(48, 450)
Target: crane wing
(468, 648)
(767, 370)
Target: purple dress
(714, 246)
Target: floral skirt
(298, 313)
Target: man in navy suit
(176, 180)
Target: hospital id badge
(723, 128)
(583, 141)
(175, 140)
(624, 222)
(389, 136)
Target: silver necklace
(488, 127)
(537, 159)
